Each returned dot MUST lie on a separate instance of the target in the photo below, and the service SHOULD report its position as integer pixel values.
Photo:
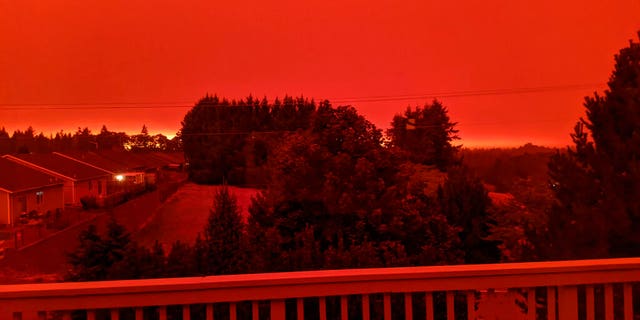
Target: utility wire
(388, 98)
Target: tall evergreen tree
(89, 261)
(597, 182)
(224, 235)
(426, 134)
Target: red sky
(174, 52)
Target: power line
(382, 98)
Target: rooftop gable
(61, 165)
(15, 177)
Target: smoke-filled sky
(510, 72)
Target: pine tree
(425, 134)
(224, 235)
(597, 182)
(89, 261)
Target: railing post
(162, 312)
(568, 302)
(208, 311)
(233, 311)
(428, 302)
(628, 301)
(344, 308)
(551, 303)
(277, 310)
(591, 309)
(387, 306)
(115, 314)
(300, 308)
(471, 305)
(255, 310)
(323, 308)
(608, 301)
(450, 305)
(531, 303)
(365, 307)
(408, 306)
(186, 312)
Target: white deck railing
(562, 280)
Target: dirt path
(185, 214)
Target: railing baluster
(91, 315)
(408, 307)
(139, 314)
(568, 302)
(591, 304)
(428, 302)
(450, 306)
(628, 301)
(115, 314)
(186, 312)
(531, 303)
(344, 310)
(277, 310)
(209, 311)
(387, 306)
(162, 312)
(323, 308)
(255, 310)
(300, 308)
(365, 307)
(551, 303)
(471, 305)
(233, 311)
(608, 301)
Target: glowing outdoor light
(119, 177)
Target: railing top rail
(567, 272)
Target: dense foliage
(426, 134)
(597, 182)
(228, 141)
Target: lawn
(185, 214)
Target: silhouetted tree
(465, 202)
(89, 260)
(426, 135)
(224, 235)
(597, 182)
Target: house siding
(52, 199)
(90, 188)
(4, 208)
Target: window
(22, 204)
(39, 197)
(99, 187)
(90, 185)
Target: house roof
(97, 160)
(15, 177)
(64, 166)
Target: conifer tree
(597, 181)
(224, 235)
(426, 134)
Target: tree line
(83, 139)
(337, 193)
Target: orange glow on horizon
(173, 54)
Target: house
(26, 190)
(80, 180)
(123, 179)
